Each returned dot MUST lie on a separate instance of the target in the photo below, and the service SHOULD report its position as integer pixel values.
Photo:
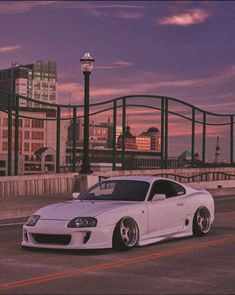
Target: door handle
(180, 204)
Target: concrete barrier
(216, 188)
(36, 185)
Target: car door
(166, 216)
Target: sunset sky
(182, 49)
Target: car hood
(72, 209)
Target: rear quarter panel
(198, 198)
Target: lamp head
(87, 63)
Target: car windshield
(118, 190)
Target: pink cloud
(71, 93)
(100, 5)
(104, 9)
(21, 7)
(129, 15)
(191, 17)
(114, 65)
(5, 49)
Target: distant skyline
(182, 49)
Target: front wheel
(126, 234)
(201, 222)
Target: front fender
(138, 212)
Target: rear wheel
(201, 222)
(126, 234)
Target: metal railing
(162, 105)
(202, 177)
(207, 176)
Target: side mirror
(75, 195)
(158, 197)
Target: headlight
(79, 222)
(33, 220)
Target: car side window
(179, 189)
(169, 188)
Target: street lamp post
(87, 63)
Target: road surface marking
(115, 264)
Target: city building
(155, 138)
(185, 160)
(143, 143)
(98, 134)
(130, 140)
(146, 141)
(37, 130)
(142, 150)
(4, 164)
(43, 161)
(100, 137)
(37, 80)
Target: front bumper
(54, 234)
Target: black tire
(126, 234)
(201, 222)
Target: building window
(26, 147)
(5, 122)
(4, 133)
(36, 146)
(2, 163)
(26, 135)
(37, 123)
(26, 123)
(4, 146)
(52, 87)
(37, 135)
(36, 96)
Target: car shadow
(83, 252)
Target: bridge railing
(207, 176)
(163, 107)
(202, 177)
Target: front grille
(52, 239)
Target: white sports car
(122, 212)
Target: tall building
(37, 80)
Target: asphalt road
(191, 265)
